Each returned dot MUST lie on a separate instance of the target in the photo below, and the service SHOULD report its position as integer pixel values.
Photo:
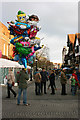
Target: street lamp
(36, 63)
(31, 73)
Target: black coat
(44, 77)
(52, 79)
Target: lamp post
(31, 73)
(36, 63)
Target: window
(4, 48)
(7, 50)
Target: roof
(72, 38)
(8, 63)
(78, 37)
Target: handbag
(12, 83)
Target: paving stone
(44, 106)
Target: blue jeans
(24, 95)
(73, 90)
(76, 86)
(37, 88)
(9, 88)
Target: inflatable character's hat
(20, 12)
(21, 16)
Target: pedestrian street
(41, 106)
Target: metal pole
(36, 64)
(31, 73)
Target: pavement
(45, 106)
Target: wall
(5, 38)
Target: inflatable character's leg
(36, 48)
(16, 57)
(24, 62)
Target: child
(73, 81)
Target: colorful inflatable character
(32, 53)
(31, 59)
(25, 44)
(21, 60)
(23, 21)
(32, 21)
(23, 51)
(19, 29)
(24, 30)
(21, 17)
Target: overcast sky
(57, 19)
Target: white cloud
(55, 45)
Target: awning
(8, 63)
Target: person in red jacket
(77, 81)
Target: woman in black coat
(52, 82)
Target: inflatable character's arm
(23, 25)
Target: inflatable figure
(23, 51)
(25, 44)
(25, 41)
(21, 17)
(31, 59)
(20, 30)
(32, 21)
(32, 48)
(21, 60)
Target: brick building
(5, 46)
(73, 56)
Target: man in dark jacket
(63, 82)
(22, 79)
(44, 78)
(52, 82)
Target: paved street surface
(42, 106)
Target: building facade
(64, 52)
(5, 37)
(73, 55)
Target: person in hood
(22, 79)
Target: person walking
(22, 79)
(44, 78)
(37, 78)
(78, 75)
(63, 82)
(73, 82)
(77, 81)
(10, 81)
(52, 82)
